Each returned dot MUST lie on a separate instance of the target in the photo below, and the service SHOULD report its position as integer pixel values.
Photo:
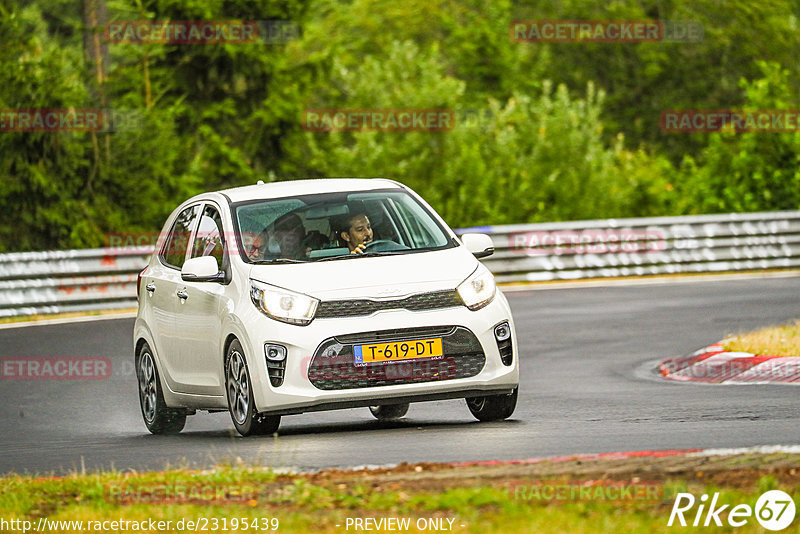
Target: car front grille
(360, 307)
(399, 334)
(333, 365)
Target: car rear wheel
(389, 412)
(158, 418)
(246, 419)
(493, 407)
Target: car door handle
(182, 294)
(151, 287)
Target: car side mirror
(202, 269)
(480, 245)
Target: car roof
(306, 187)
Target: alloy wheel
(238, 387)
(147, 386)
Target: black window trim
(226, 263)
(190, 242)
(205, 203)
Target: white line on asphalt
(655, 280)
(761, 449)
(67, 320)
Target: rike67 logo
(774, 510)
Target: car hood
(372, 277)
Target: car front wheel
(246, 419)
(493, 407)
(158, 418)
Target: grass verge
(65, 315)
(781, 340)
(576, 495)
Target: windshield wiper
(278, 260)
(368, 254)
(331, 258)
(374, 254)
(386, 252)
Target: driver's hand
(359, 249)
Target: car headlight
(478, 289)
(283, 305)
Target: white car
(290, 297)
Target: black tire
(239, 392)
(389, 412)
(158, 417)
(493, 407)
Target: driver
(356, 232)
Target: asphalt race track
(582, 390)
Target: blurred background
(544, 131)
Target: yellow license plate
(398, 350)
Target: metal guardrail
(82, 280)
(69, 280)
(644, 246)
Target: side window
(208, 241)
(174, 252)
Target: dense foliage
(546, 131)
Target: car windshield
(331, 226)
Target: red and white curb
(714, 365)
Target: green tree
(44, 187)
(530, 158)
(643, 79)
(758, 171)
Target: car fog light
(276, 363)
(502, 332)
(275, 353)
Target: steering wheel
(384, 245)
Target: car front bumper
(297, 393)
